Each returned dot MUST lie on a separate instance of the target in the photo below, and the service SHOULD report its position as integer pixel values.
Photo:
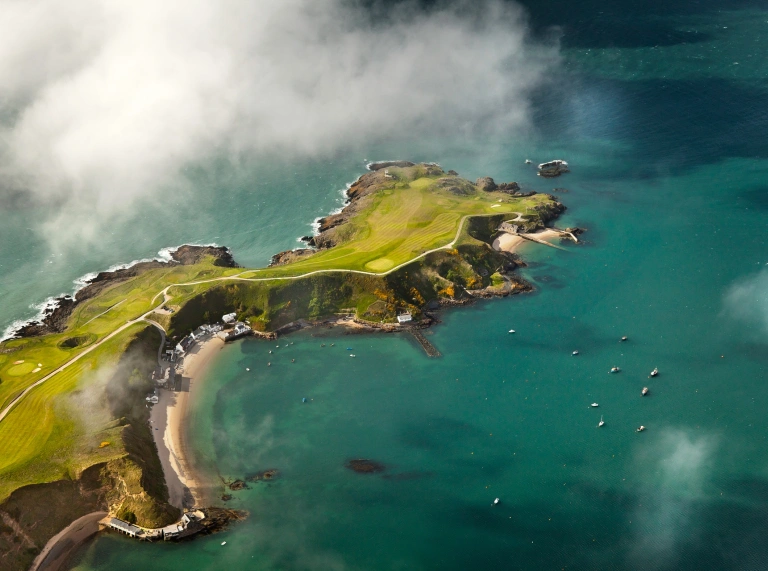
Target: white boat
(247, 369)
(511, 330)
(575, 353)
(528, 161)
(640, 428)
(615, 369)
(624, 338)
(644, 391)
(602, 422)
(654, 372)
(352, 355)
(496, 502)
(223, 542)
(594, 405)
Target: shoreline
(186, 488)
(63, 545)
(511, 243)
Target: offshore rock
(553, 168)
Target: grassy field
(402, 223)
(43, 440)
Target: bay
(669, 161)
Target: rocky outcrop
(387, 164)
(553, 168)
(290, 256)
(55, 318)
(187, 255)
(487, 184)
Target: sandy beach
(169, 427)
(61, 546)
(513, 242)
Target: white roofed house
(185, 344)
(404, 317)
(229, 318)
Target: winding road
(236, 277)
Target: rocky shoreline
(56, 316)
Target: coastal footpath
(411, 237)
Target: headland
(410, 239)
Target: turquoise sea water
(662, 112)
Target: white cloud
(747, 302)
(103, 102)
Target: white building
(404, 317)
(125, 527)
(185, 344)
(229, 318)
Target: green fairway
(407, 215)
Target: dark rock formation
(237, 485)
(486, 183)
(453, 173)
(510, 187)
(362, 466)
(387, 164)
(290, 256)
(553, 168)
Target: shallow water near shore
(669, 166)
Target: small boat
(352, 355)
(528, 161)
(322, 344)
(269, 364)
(640, 428)
(270, 351)
(602, 422)
(511, 330)
(654, 372)
(594, 405)
(349, 348)
(496, 502)
(332, 344)
(615, 369)
(247, 369)
(575, 353)
(624, 338)
(644, 391)
(304, 399)
(293, 360)
(223, 542)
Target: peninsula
(75, 431)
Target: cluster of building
(184, 526)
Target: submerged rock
(270, 474)
(237, 485)
(363, 466)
